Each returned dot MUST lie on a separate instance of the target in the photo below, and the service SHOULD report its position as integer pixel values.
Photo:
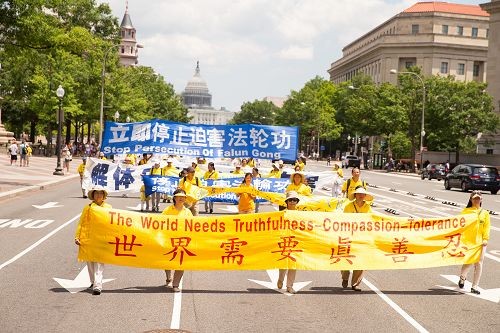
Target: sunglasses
(293, 200)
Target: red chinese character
(455, 241)
(127, 247)
(399, 250)
(231, 249)
(179, 246)
(286, 247)
(343, 251)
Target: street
(36, 246)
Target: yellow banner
(286, 239)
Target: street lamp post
(127, 119)
(116, 116)
(422, 131)
(103, 74)
(60, 95)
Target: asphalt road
(33, 253)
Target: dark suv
(473, 177)
(435, 171)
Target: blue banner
(210, 141)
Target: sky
(250, 49)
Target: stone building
(197, 98)
(441, 38)
(128, 49)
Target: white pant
(96, 270)
(478, 269)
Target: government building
(198, 100)
(439, 37)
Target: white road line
(396, 307)
(494, 228)
(492, 257)
(40, 241)
(175, 323)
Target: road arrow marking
(492, 295)
(273, 276)
(81, 282)
(51, 204)
(138, 207)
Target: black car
(433, 171)
(473, 177)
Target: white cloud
(297, 53)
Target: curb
(38, 187)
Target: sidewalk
(15, 180)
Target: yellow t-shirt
(211, 175)
(300, 189)
(84, 220)
(274, 174)
(171, 210)
(247, 201)
(156, 171)
(132, 158)
(170, 170)
(339, 172)
(81, 169)
(238, 172)
(483, 219)
(352, 187)
(301, 166)
(351, 207)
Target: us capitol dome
(197, 98)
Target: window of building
(460, 30)
(444, 67)
(461, 69)
(414, 29)
(123, 49)
(474, 32)
(487, 33)
(444, 29)
(475, 70)
(489, 151)
(409, 64)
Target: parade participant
(185, 183)
(155, 196)
(145, 159)
(256, 174)
(195, 166)
(338, 181)
(178, 209)
(101, 156)
(300, 163)
(144, 198)
(352, 183)
(210, 174)
(297, 184)
(237, 170)
(246, 203)
(483, 220)
(81, 172)
(169, 170)
(251, 162)
(132, 158)
(291, 201)
(97, 194)
(359, 205)
(275, 172)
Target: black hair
(245, 176)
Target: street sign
(322, 148)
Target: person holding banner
(291, 201)
(179, 198)
(210, 174)
(359, 205)
(352, 183)
(297, 180)
(97, 194)
(185, 183)
(155, 196)
(483, 218)
(256, 174)
(246, 203)
(237, 170)
(169, 170)
(275, 172)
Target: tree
(256, 112)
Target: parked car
(351, 161)
(473, 177)
(433, 171)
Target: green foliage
(400, 145)
(256, 112)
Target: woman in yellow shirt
(297, 184)
(246, 204)
(359, 205)
(483, 218)
(210, 174)
(96, 269)
(177, 208)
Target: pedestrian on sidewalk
(178, 209)
(13, 151)
(96, 269)
(29, 153)
(483, 220)
(67, 157)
